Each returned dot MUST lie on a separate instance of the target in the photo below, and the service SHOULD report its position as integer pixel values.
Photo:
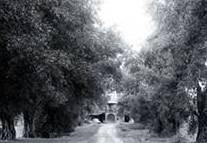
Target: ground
(106, 133)
(137, 133)
(83, 134)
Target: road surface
(107, 133)
(104, 133)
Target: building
(111, 108)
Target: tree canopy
(170, 68)
(53, 61)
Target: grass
(83, 134)
(137, 133)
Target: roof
(112, 102)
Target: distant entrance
(111, 118)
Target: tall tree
(50, 54)
(184, 27)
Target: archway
(111, 118)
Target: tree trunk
(202, 115)
(8, 131)
(28, 125)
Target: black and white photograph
(103, 71)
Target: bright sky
(130, 18)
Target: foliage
(171, 66)
(50, 55)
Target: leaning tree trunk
(29, 124)
(8, 131)
(202, 115)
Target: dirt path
(107, 133)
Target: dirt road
(107, 134)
